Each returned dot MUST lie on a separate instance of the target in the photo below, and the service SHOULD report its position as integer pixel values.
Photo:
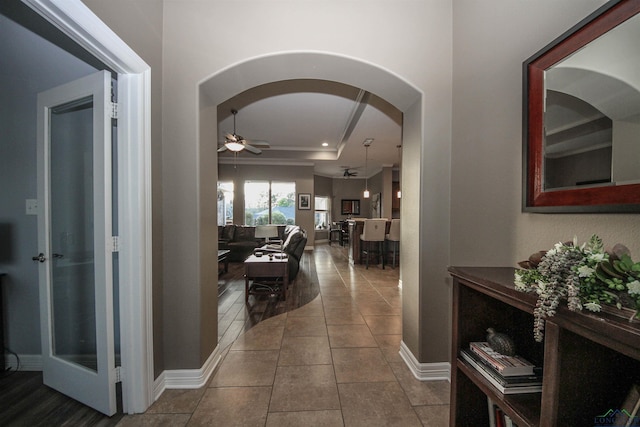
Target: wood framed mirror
(350, 207)
(581, 116)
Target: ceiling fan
(348, 173)
(234, 142)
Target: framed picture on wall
(304, 201)
(376, 206)
(350, 207)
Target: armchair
(295, 239)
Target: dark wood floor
(234, 317)
(25, 401)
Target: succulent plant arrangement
(586, 276)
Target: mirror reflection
(592, 113)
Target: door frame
(134, 189)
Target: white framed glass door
(74, 239)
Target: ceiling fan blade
(223, 148)
(262, 144)
(231, 137)
(252, 149)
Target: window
(225, 202)
(283, 206)
(322, 214)
(267, 202)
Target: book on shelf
(506, 365)
(494, 380)
(492, 412)
(508, 381)
(497, 417)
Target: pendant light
(367, 142)
(399, 171)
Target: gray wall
(348, 189)
(29, 65)
(322, 186)
(491, 40)
(353, 188)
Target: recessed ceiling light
(325, 144)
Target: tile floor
(332, 362)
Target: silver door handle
(40, 257)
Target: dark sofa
(294, 240)
(240, 240)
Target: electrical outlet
(31, 206)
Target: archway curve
(617, 99)
(238, 77)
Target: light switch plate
(31, 206)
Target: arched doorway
(240, 77)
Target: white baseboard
(170, 379)
(186, 378)
(28, 362)
(438, 371)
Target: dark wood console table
(590, 360)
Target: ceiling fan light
(234, 146)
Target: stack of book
(508, 374)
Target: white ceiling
(297, 116)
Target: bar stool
(336, 230)
(373, 232)
(345, 233)
(394, 238)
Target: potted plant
(585, 276)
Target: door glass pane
(115, 231)
(71, 233)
